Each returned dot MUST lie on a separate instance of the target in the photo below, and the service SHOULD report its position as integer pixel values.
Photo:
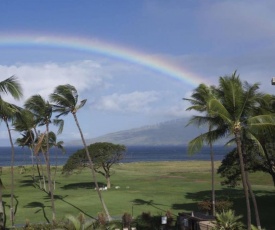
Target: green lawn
(151, 187)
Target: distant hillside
(172, 132)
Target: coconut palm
(199, 98)
(7, 114)
(236, 105)
(65, 100)
(42, 111)
(26, 125)
(53, 143)
(10, 86)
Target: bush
(206, 205)
(126, 220)
(148, 222)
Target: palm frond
(196, 144)
(217, 109)
(12, 86)
(60, 124)
(82, 103)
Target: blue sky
(207, 39)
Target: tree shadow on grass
(195, 197)
(62, 198)
(85, 185)
(16, 202)
(150, 203)
(264, 201)
(27, 183)
(40, 206)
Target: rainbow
(157, 64)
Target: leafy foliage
(103, 154)
(226, 220)
(254, 161)
(221, 205)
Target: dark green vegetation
(232, 109)
(238, 110)
(104, 156)
(143, 187)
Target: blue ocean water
(133, 154)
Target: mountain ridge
(171, 132)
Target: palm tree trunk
(32, 156)
(12, 175)
(212, 179)
(257, 216)
(252, 195)
(92, 169)
(47, 158)
(244, 182)
(2, 211)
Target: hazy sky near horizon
(201, 39)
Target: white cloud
(43, 78)
(131, 102)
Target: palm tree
(65, 99)
(42, 111)
(26, 125)
(8, 111)
(236, 105)
(57, 145)
(201, 95)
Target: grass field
(144, 187)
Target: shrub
(206, 205)
(127, 220)
(170, 218)
(148, 222)
(227, 220)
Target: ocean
(133, 154)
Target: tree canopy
(103, 154)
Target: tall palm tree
(65, 100)
(26, 125)
(56, 145)
(42, 111)
(199, 98)
(236, 105)
(7, 114)
(10, 86)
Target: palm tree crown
(65, 98)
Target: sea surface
(23, 156)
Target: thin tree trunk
(2, 211)
(239, 147)
(55, 169)
(108, 179)
(256, 210)
(47, 157)
(32, 156)
(212, 179)
(270, 163)
(12, 176)
(92, 169)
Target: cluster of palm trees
(37, 112)
(236, 110)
